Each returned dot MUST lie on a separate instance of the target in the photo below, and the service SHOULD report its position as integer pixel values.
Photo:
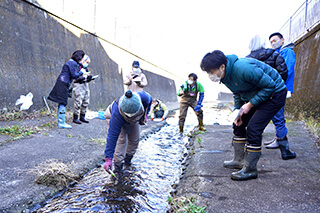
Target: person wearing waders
(275, 60)
(286, 51)
(259, 92)
(188, 93)
(125, 114)
(81, 92)
(158, 110)
(59, 94)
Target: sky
(176, 34)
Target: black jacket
(273, 59)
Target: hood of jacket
(262, 54)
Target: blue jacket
(117, 122)
(70, 71)
(251, 80)
(290, 58)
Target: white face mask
(190, 82)
(276, 45)
(215, 77)
(136, 70)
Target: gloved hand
(108, 164)
(288, 94)
(152, 119)
(79, 80)
(162, 119)
(89, 78)
(198, 107)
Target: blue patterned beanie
(130, 102)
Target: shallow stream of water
(156, 167)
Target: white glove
(288, 94)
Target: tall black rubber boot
(249, 169)
(83, 118)
(127, 160)
(76, 119)
(118, 171)
(286, 154)
(237, 161)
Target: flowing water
(156, 168)
(145, 187)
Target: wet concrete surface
(282, 186)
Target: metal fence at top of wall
(307, 16)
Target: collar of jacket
(231, 59)
(289, 45)
(134, 118)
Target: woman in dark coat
(59, 94)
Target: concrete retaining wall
(34, 46)
(306, 97)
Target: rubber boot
(238, 146)
(127, 160)
(249, 169)
(286, 154)
(181, 129)
(61, 118)
(272, 144)
(76, 119)
(83, 118)
(201, 126)
(118, 171)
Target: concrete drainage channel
(157, 168)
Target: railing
(304, 19)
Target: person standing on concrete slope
(125, 114)
(286, 51)
(158, 110)
(259, 92)
(81, 92)
(188, 93)
(275, 60)
(135, 80)
(59, 94)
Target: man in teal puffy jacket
(259, 92)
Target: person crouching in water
(158, 110)
(189, 92)
(259, 92)
(81, 92)
(59, 94)
(125, 114)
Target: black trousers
(254, 123)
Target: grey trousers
(127, 143)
